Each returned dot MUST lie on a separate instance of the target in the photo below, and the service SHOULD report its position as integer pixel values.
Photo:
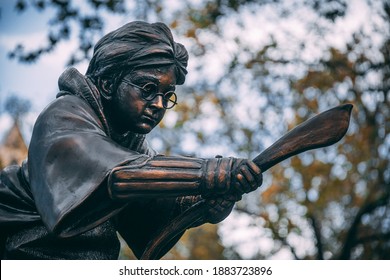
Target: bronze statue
(90, 172)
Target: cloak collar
(72, 82)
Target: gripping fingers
(220, 204)
(257, 173)
(254, 167)
(246, 179)
(219, 208)
(249, 178)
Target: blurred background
(257, 69)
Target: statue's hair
(135, 45)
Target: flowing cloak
(56, 205)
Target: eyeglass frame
(142, 88)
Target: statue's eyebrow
(145, 78)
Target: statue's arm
(182, 176)
(168, 177)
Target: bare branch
(373, 237)
(317, 235)
(351, 236)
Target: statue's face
(130, 112)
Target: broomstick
(322, 130)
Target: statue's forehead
(158, 75)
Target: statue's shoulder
(68, 112)
(66, 105)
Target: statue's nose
(158, 101)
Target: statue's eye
(150, 88)
(169, 94)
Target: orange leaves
(268, 196)
(337, 68)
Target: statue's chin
(142, 128)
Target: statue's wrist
(217, 177)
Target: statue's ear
(106, 88)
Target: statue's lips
(149, 118)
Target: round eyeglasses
(149, 92)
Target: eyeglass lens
(150, 91)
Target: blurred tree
(83, 17)
(16, 106)
(87, 19)
(334, 203)
(331, 203)
(201, 243)
(358, 185)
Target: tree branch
(317, 235)
(373, 237)
(351, 236)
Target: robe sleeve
(70, 157)
(142, 219)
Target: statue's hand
(246, 176)
(230, 176)
(219, 208)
